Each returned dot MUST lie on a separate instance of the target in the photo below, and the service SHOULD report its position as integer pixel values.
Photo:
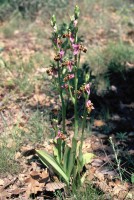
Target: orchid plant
(68, 160)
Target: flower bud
(87, 77)
(76, 12)
(55, 28)
(75, 23)
(53, 21)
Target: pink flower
(75, 23)
(65, 86)
(89, 106)
(60, 135)
(87, 88)
(75, 48)
(61, 53)
(71, 38)
(70, 66)
(55, 73)
(70, 76)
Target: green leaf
(66, 159)
(72, 156)
(56, 154)
(83, 177)
(57, 150)
(49, 161)
(87, 157)
(132, 178)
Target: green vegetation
(36, 131)
(8, 164)
(108, 62)
(87, 192)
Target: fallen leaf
(97, 162)
(99, 123)
(28, 150)
(103, 186)
(120, 188)
(33, 186)
(130, 194)
(10, 182)
(44, 176)
(17, 191)
(35, 175)
(54, 186)
(34, 166)
(1, 182)
(3, 195)
(108, 172)
(40, 98)
(90, 173)
(99, 175)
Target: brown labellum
(57, 57)
(66, 35)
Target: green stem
(75, 105)
(71, 95)
(77, 63)
(83, 128)
(62, 100)
(79, 60)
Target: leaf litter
(35, 180)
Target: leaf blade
(49, 161)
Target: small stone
(115, 117)
(113, 88)
(131, 134)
